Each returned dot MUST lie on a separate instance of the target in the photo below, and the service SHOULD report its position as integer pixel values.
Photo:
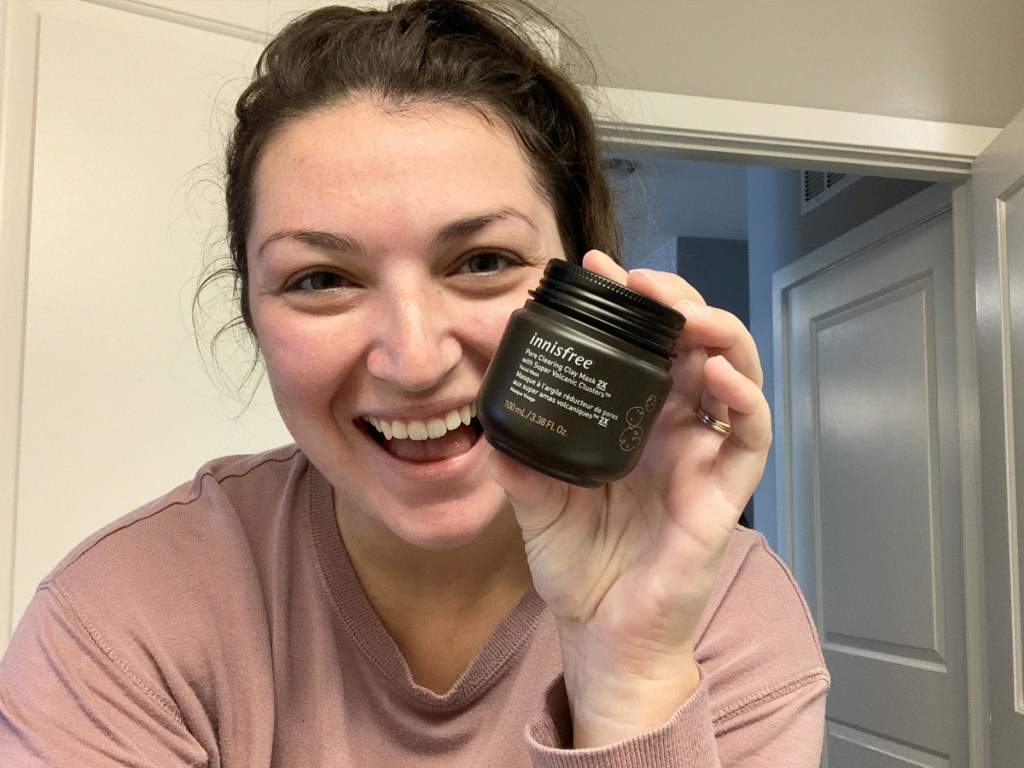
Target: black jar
(579, 377)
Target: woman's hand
(627, 568)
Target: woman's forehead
(422, 163)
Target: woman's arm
(628, 569)
(67, 699)
(763, 682)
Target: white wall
(112, 120)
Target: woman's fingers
(666, 287)
(605, 265)
(717, 365)
(742, 399)
(715, 330)
(743, 406)
(722, 333)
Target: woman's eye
(317, 281)
(486, 261)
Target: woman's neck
(440, 606)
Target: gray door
(869, 459)
(998, 229)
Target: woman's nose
(415, 342)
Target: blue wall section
(773, 217)
(718, 269)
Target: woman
(396, 182)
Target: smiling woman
(389, 590)
(393, 318)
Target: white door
(998, 230)
(867, 415)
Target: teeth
(452, 421)
(425, 430)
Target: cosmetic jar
(579, 376)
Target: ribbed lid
(609, 306)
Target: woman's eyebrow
(326, 241)
(340, 243)
(470, 225)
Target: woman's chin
(431, 519)
(454, 525)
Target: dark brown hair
(471, 54)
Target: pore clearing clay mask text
(579, 377)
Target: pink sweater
(222, 625)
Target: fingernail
(692, 309)
(650, 274)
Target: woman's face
(388, 248)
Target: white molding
(971, 488)
(698, 127)
(249, 20)
(17, 127)
(188, 16)
(796, 137)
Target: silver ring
(721, 427)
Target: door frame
(720, 130)
(691, 127)
(752, 133)
(907, 216)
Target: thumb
(536, 499)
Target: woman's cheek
(496, 314)
(307, 364)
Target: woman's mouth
(435, 439)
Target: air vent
(819, 186)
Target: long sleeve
(685, 741)
(67, 699)
(761, 699)
(147, 645)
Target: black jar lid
(609, 306)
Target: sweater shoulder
(153, 587)
(159, 624)
(218, 497)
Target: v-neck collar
(363, 626)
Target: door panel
(870, 458)
(848, 746)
